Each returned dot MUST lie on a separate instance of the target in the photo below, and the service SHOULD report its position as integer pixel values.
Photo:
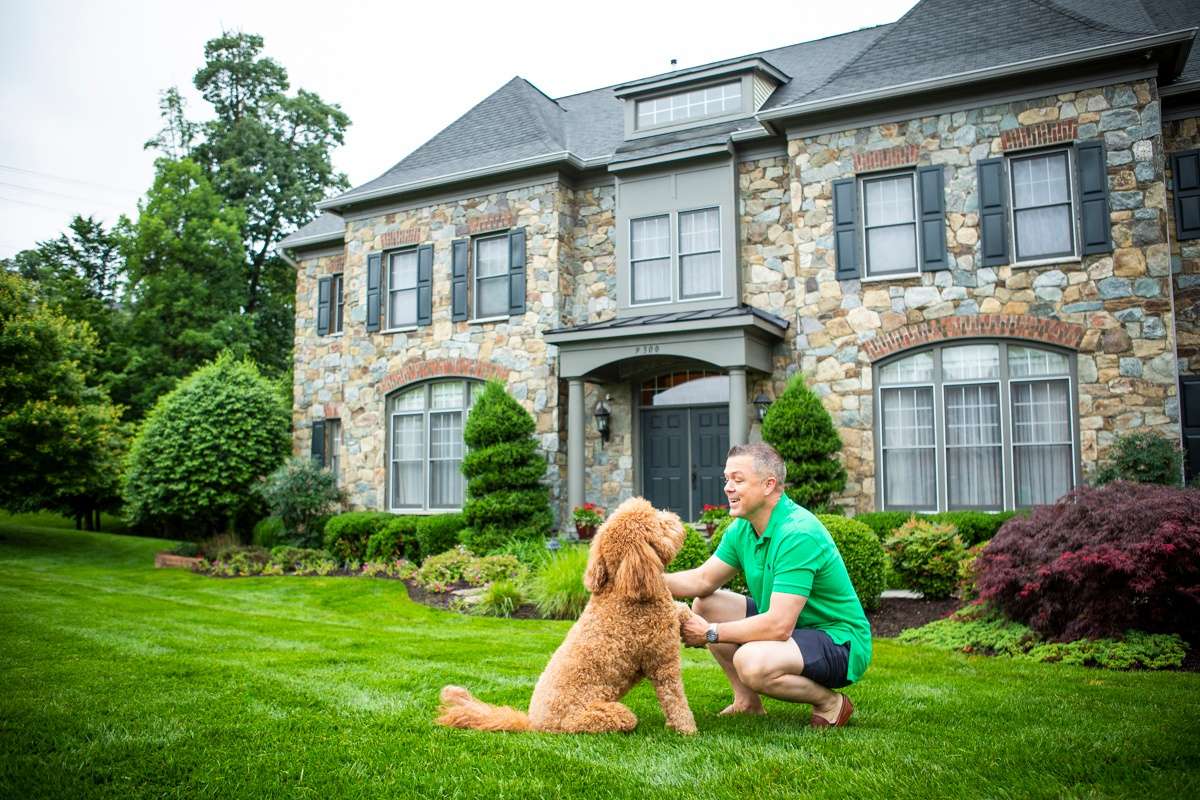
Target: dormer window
(711, 101)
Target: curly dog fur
(629, 630)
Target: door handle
(694, 477)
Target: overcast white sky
(80, 81)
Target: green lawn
(123, 681)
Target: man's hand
(693, 631)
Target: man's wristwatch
(710, 635)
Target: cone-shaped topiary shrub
(800, 428)
(505, 496)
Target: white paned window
(890, 225)
(491, 277)
(337, 303)
(986, 426)
(650, 259)
(700, 253)
(710, 101)
(1041, 206)
(426, 445)
(402, 289)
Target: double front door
(683, 457)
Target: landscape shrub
(204, 446)
(883, 523)
(1100, 561)
(557, 587)
(397, 537)
(974, 526)
(239, 561)
(967, 575)
(503, 468)
(738, 582)
(863, 555)
(1141, 457)
(501, 599)
(346, 535)
(301, 560)
(400, 568)
(438, 572)
(692, 553)
(981, 630)
(268, 532)
(439, 533)
(301, 493)
(798, 426)
(530, 552)
(926, 556)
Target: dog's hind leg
(599, 717)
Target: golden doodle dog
(629, 630)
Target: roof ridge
(1090, 22)
(893, 26)
(554, 124)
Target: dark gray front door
(683, 457)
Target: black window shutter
(993, 209)
(458, 286)
(425, 284)
(845, 228)
(1093, 198)
(318, 442)
(932, 194)
(516, 271)
(374, 295)
(1186, 169)
(323, 291)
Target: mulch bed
(893, 616)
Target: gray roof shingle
(325, 228)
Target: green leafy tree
(204, 446)
(267, 153)
(800, 428)
(60, 440)
(184, 262)
(505, 496)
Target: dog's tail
(461, 709)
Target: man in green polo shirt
(802, 632)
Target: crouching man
(802, 632)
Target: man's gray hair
(767, 461)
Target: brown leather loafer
(842, 719)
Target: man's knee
(752, 667)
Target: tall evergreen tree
(505, 496)
(799, 427)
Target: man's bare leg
(773, 669)
(725, 606)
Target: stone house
(980, 244)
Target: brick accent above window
(334, 265)
(400, 238)
(1043, 133)
(903, 156)
(442, 368)
(490, 222)
(1008, 326)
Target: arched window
(425, 444)
(976, 425)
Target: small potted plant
(711, 516)
(587, 517)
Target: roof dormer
(698, 96)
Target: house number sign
(646, 348)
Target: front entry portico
(623, 352)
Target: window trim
(1005, 381)
(473, 315)
(426, 460)
(1072, 207)
(862, 180)
(674, 258)
(386, 291)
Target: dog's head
(631, 550)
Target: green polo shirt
(796, 555)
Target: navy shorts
(825, 663)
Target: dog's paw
(683, 612)
(686, 730)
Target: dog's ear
(639, 575)
(596, 577)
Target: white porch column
(739, 421)
(576, 415)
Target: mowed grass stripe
(124, 681)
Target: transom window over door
(425, 437)
(985, 426)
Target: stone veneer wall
(1180, 135)
(349, 376)
(1126, 371)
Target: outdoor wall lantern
(761, 404)
(602, 415)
